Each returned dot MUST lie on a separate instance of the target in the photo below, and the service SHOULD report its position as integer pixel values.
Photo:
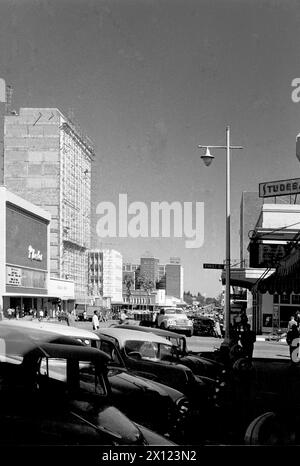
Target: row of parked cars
(115, 386)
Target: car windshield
(174, 311)
(148, 350)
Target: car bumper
(180, 327)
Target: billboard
(26, 252)
(26, 239)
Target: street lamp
(207, 159)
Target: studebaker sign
(279, 188)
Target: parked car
(151, 356)
(172, 318)
(204, 326)
(59, 394)
(198, 364)
(154, 405)
(35, 329)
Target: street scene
(149, 226)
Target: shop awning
(286, 278)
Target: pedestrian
(84, 315)
(292, 339)
(70, 319)
(9, 313)
(247, 339)
(297, 318)
(41, 314)
(123, 316)
(218, 332)
(291, 322)
(95, 321)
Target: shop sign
(13, 276)
(267, 254)
(34, 255)
(279, 188)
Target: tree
(128, 282)
(146, 284)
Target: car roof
(124, 334)
(158, 331)
(82, 353)
(59, 329)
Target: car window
(87, 379)
(111, 351)
(90, 380)
(149, 350)
(54, 368)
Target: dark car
(156, 406)
(204, 326)
(153, 404)
(198, 364)
(149, 355)
(59, 394)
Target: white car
(173, 318)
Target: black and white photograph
(149, 228)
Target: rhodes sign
(279, 188)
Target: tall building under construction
(47, 160)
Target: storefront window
(276, 299)
(295, 299)
(284, 299)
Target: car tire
(163, 326)
(189, 333)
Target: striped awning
(286, 278)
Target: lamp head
(207, 157)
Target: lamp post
(207, 159)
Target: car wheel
(163, 326)
(189, 333)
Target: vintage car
(54, 394)
(198, 364)
(204, 326)
(36, 328)
(172, 318)
(154, 405)
(151, 356)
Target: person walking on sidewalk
(291, 322)
(95, 321)
(292, 339)
(247, 339)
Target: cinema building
(25, 281)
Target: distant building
(149, 269)
(174, 280)
(105, 274)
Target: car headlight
(171, 322)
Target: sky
(149, 80)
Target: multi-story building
(174, 280)
(105, 274)
(149, 269)
(48, 162)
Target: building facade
(149, 269)
(48, 162)
(174, 280)
(105, 275)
